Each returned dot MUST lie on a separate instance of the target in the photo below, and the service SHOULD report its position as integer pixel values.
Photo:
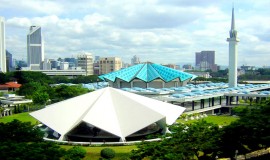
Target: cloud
(159, 31)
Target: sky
(159, 31)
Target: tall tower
(233, 54)
(3, 66)
(35, 48)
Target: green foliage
(214, 80)
(63, 92)
(40, 98)
(220, 74)
(31, 151)
(107, 153)
(21, 140)
(24, 77)
(60, 79)
(3, 78)
(249, 133)
(17, 131)
(29, 89)
(75, 153)
(85, 79)
(187, 141)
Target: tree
(31, 151)
(18, 131)
(249, 133)
(29, 89)
(24, 77)
(40, 97)
(21, 140)
(3, 78)
(60, 79)
(185, 142)
(63, 92)
(85, 79)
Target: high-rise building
(73, 62)
(3, 66)
(64, 65)
(135, 60)
(205, 60)
(35, 48)
(8, 61)
(109, 64)
(85, 61)
(46, 65)
(233, 54)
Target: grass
(93, 153)
(24, 117)
(221, 120)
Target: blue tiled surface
(147, 72)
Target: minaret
(233, 54)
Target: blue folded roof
(147, 72)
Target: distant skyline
(155, 30)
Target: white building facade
(3, 66)
(35, 48)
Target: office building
(35, 48)
(85, 61)
(233, 54)
(135, 60)
(8, 61)
(187, 67)
(46, 65)
(205, 60)
(109, 64)
(73, 62)
(3, 66)
(64, 66)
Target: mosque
(111, 114)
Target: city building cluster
(85, 63)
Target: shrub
(75, 153)
(107, 153)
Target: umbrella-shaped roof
(118, 112)
(147, 72)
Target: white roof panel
(118, 112)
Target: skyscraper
(8, 60)
(35, 48)
(135, 60)
(2, 46)
(233, 54)
(205, 60)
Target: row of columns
(211, 102)
(230, 99)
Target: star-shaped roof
(147, 72)
(118, 112)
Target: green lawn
(24, 117)
(93, 153)
(221, 120)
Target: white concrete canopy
(118, 112)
